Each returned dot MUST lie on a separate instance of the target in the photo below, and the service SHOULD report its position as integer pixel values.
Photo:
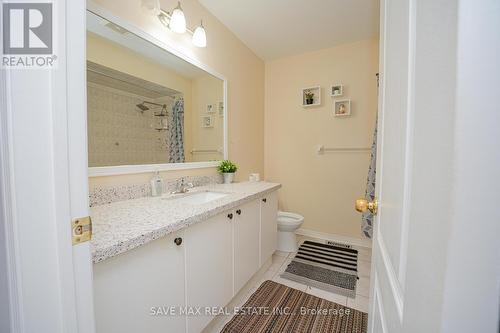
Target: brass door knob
(362, 205)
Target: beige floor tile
(332, 297)
(364, 268)
(268, 275)
(277, 262)
(291, 284)
(364, 254)
(285, 265)
(363, 287)
(282, 254)
(359, 303)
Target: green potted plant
(227, 168)
(309, 97)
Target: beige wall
(321, 187)
(207, 90)
(227, 55)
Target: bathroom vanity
(159, 263)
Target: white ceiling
(279, 28)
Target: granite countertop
(124, 225)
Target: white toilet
(287, 224)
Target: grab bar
(205, 151)
(322, 150)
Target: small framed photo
(207, 122)
(337, 90)
(221, 109)
(210, 108)
(342, 108)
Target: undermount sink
(198, 198)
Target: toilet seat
(289, 219)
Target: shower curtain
(367, 217)
(177, 132)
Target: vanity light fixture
(199, 36)
(176, 21)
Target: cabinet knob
(238, 212)
(264, 200)
(230, 216)
(178, 241)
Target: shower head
(142, 107)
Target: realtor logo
(27, 32)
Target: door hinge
(81, 230)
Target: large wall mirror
(148, 109)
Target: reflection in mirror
(146, 105)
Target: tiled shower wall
(118, 134)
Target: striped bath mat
(327, 267)
(275, 308)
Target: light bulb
(151, 6)
(200, 36)
(178, 21)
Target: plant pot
(228, 177)
(309, 101)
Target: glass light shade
(200, 37)
(151, 6)
(178, 21)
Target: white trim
(335, 238)
(144, 168)
(77, 156)
(7, 209)
(392, 277)
(376, 304)
(405, 221)
(171, 48)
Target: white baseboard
(335, 238)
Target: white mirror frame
(144, 168)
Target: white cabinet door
(209, 267)
(268, 226)
(246, 243)
(127, 286)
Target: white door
(209, 267)
(395, 154)
(433, 248)
(246, 243)
(393, 169)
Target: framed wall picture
(342, 108)
(311, 96)
(337, 90)
(207, 121)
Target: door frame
(48, 280)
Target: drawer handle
(264, 200)
(238, 212)
(178, 241)
(230, 216)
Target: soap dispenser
(156, 185)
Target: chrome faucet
(182, 186)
